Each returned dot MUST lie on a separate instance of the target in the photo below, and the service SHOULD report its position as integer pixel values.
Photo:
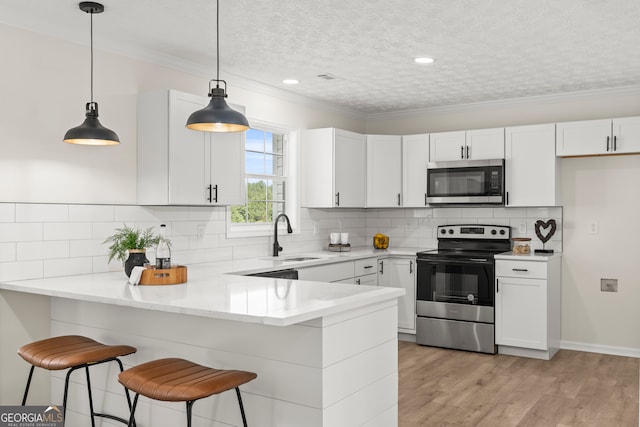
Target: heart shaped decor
(541, 225)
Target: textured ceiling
(484, 49)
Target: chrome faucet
(276, 247)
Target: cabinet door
(626, 134)
(584, 138)
(227, 168)
(485, 144)
(415, 157)
(400, 273)
(531, 166)
(188, 162)
(349, 163)
(446, 146)
(384, 170)
(521, 312)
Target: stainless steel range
(455, 287)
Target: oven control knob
(443, 231)
(494, 232)
(502, 232)
(451, 231)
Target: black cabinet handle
(215, 199)
(507, 198)
(425, 199)
(410, 266)
(615, 143)
(368, 266)
(497, 285)
(338, 199)
(357, 281)
(209, 198)
(381, 267)
(520, 269)
(462, 152)
(467, 151)
(398, 199)
(607, 143)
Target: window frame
(290, 150)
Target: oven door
(456, 288)
(457, 182)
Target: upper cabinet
(480, 144)
(384, 171)
(333, 169)
(531, 167)
(180, 166)
(415, 157)
(598, 137)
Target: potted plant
(130, 246)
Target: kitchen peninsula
(325, 354)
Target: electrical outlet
(609, 285)
(200, 231)
(593, 227)
(522, 228)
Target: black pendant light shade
(91, 132)
(218, 116)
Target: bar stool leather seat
(70, 350)
(179, 380)
(74, 352)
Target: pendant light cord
(91, 13)
(217, 42)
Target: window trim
(292, 209)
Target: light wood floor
(455, 388)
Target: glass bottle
(163, 252)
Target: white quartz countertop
(212, 292)
(527, 257)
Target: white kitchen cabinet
(180, 166)
(333, 169)
(400, 272)
(384, 171)
(527, 305)
(415, 157)
(366, 272)
(478, 144)
(532, 176)
(598, 137)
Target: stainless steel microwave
(466, 182)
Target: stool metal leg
(132, 417)
(91, 411)
(244, 418)
(26, 390)
(189, 411)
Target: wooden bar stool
(178, 380)
(73, 352)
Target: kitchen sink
(300, 258)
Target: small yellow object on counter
(380, 241)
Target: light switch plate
(609, 285)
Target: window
(266, 177)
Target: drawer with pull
(516, 268)
(366, 266)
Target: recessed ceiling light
(423, 60)
(291, 81)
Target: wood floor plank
(440, 387)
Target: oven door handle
(455, 261)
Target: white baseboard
(597, 348)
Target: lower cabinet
(400, 272)
(527, 312)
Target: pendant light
(218, 116)
(91, 132)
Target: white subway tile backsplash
(477, 213)
(91, 213)
(89, 247)
(20, 232)
(7, 212)
(67, 266)
(21, 270)
(27, 251)
(447, 213)
(7, 252)
(26, 212)
(67, 231)
(131, 214)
